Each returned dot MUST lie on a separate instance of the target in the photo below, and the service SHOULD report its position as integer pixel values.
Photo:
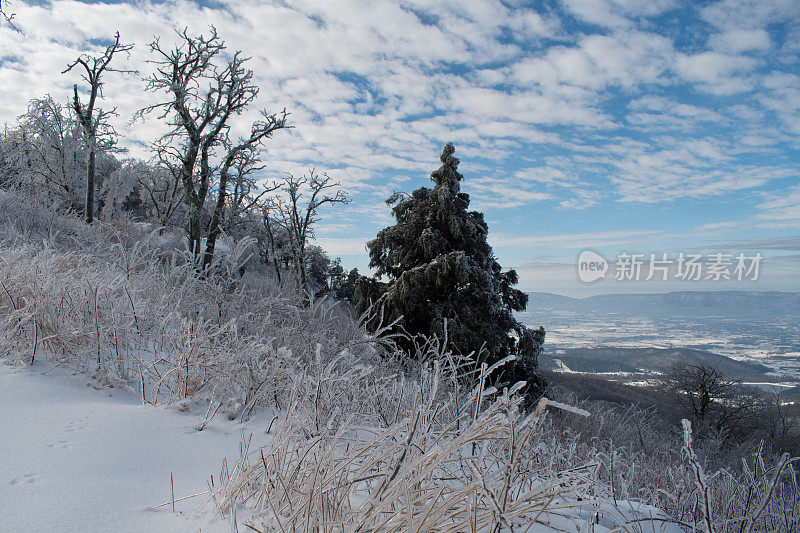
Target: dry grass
(474, 473)
(367, 439)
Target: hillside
(604, 389)
(384, 436)
(360, 431)
(649, 361)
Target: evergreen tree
(442, 272)
(343, 284)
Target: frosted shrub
(425, 472)
(121, 303)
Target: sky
(616, 126)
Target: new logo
(591, 266)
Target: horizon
(617, 127)
(662, 293)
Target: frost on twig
(699, 477)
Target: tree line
(200, 176)
(436, 275)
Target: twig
(784, 460)
(699, 478)
(178, 499)
(35, 340)
(202, 425)
(13, 304)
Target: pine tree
(443, 273)
(343, 284)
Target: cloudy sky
(614, 125)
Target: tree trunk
(195, 235)
(301, 260)
(216, 219)
(89, 211)
(191, 199)
(272, 252)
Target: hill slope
(649, 360)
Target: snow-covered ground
(74, 458)
(80, 458)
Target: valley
(752, 337)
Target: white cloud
(749, 14)
(626, 59)
(716, 73)
(782, 209)
(571, 241)
(501, 193)
(740, 40)
(343, 246)
(616, 13)
(782, 97)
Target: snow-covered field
(75, 458)
(772, 345)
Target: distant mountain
(746, 305)
(648, 360)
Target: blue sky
(616, 125)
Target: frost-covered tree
(94, 120)
(343, 284)
(141, 190)
(204, 89)
(298, 213)
(444, 279)
(45, 155)
(318, 266)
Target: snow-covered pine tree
(442, 272)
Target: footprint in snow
(77, 425)
(27, 478)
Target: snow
(562, 367)
(85, 458)
(75, 458)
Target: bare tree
(780, 423)
(704, 395)
(299, 218)
(94, 124)
(203, 94)
(269, 228)
(163, 193)
(246, 195)
(141, 189)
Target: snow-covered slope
(80, 458)
(74, 459)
